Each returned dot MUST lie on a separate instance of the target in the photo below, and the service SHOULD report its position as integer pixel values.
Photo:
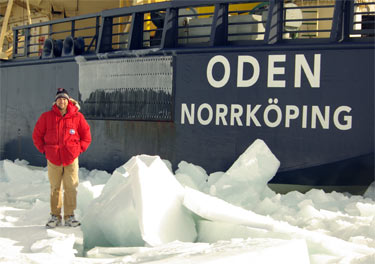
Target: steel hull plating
(323, 133)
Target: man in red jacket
(62, 134)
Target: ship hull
(316, 117)
(200, 81)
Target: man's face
(62, 103)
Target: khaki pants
(68, 176)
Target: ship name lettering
(275, 71)
(270, 115)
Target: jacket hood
(75, 103)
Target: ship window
(363, 20)
(307, 19)
(127, 89)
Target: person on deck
(62, 134)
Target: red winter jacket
(62, 138)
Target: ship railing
(308, 21)
(194, 24)
(32, 40)
(362, 19)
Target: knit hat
(61, 93)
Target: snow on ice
(143, 213)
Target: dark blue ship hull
(313, 105)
